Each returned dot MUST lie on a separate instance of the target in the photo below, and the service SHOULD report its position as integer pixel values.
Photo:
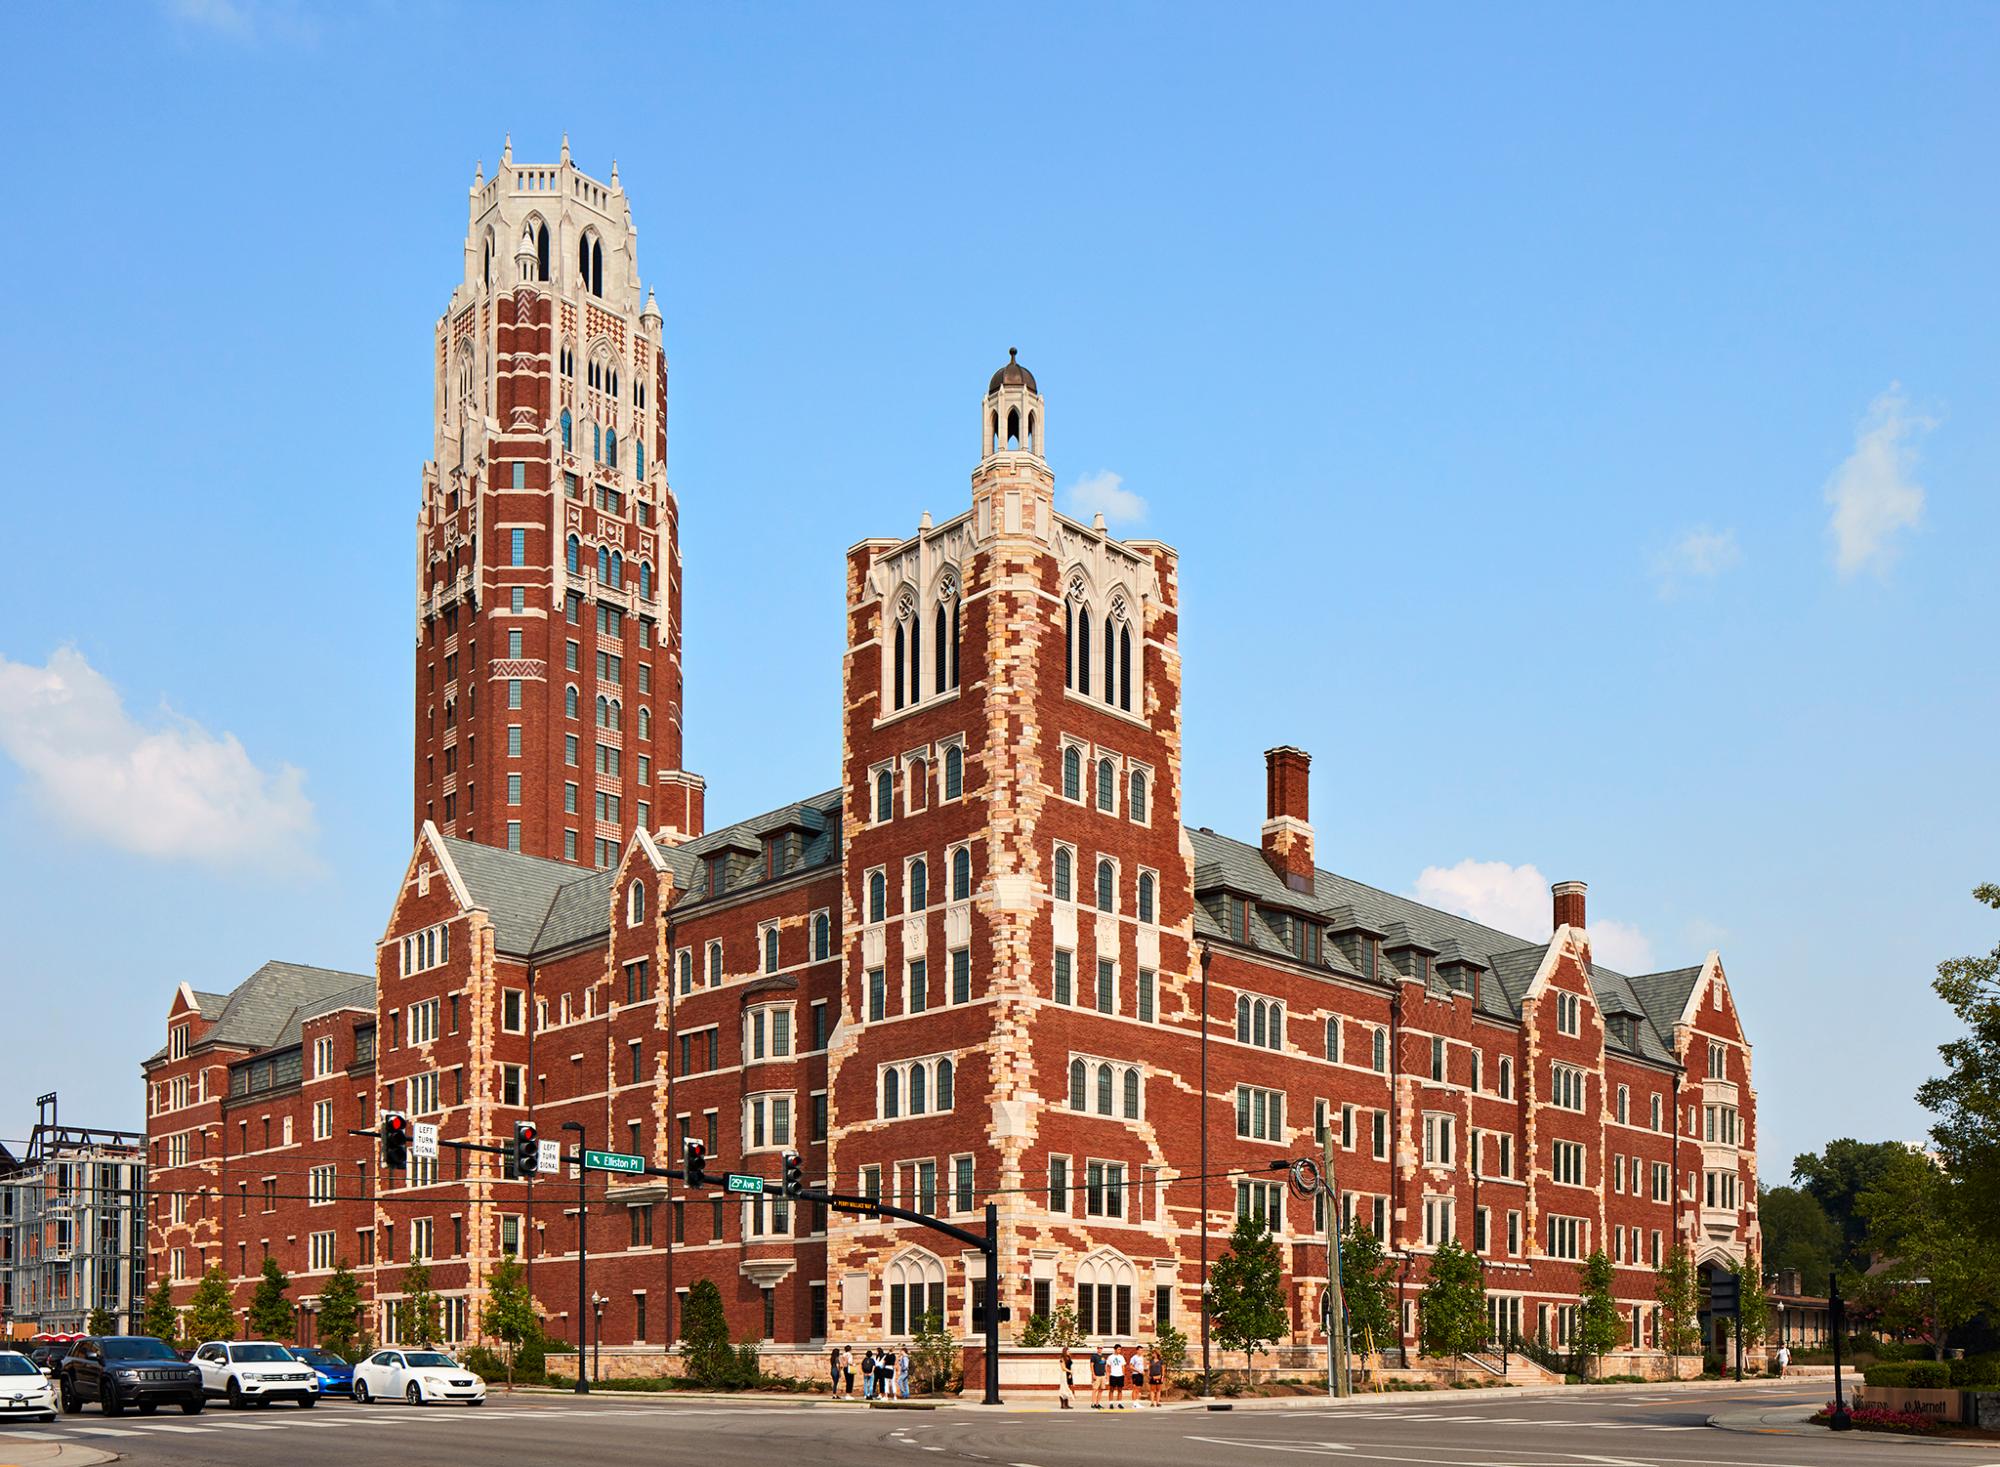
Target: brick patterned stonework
(724, 984)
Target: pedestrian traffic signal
(527, 1153)
(1725, 1292)
(695, 1158)
(395, 1142)
(795, 1174)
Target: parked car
(336, 1376)
(420, 1377)
(118, 1371)
(24, 1389)
(49, 1358)
(246, 1372)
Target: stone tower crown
(576, 232)
(1013, 486)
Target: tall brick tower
(548, 626)
(1019, 896)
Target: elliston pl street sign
(614, 1161)
(749, 1186)
(424, 1141)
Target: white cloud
(1516, 899)
(1872, 493)
(1104, 493)
(244, 21)
(1699, 554)
(174, 792)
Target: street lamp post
(597, 1336)
(582, 1258)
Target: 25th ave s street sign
(613, 1161)
(748, 1185)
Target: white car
(24, 1390)
(243, 1371)
(420, 1377)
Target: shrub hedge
(1916, 1375)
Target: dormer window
(177, 1042)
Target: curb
(68, 1454)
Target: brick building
(991, 964)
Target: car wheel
(112, 1405)
(235, 1394)
(308, 1402)
(70, 1403)
(192, 1408)
(360, 1391)
(414, 1395)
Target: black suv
(128, 1370)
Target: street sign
(548, 1157)
(424, 1141)
(749, 1186)
(1725, 1292)
(613, 1161)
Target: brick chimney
(1569, 903)
(1288, 837)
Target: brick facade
(991, 964)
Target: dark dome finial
(1013, 374)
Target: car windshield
(12, 1364)
(136, 1347)
(431, 1357)
(261, 1354)
(320, 1358)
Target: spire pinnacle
(507, 149)
(565, 148)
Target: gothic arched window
(885, 795)
(617, 569)
(565, 430)
(1136, 802)
(1125, 668)
(1145, 896)
(645, 722)
(822, 937)
(1106, 887)
(961, 874)
(573, 556)
(1078, 1085)
(892, 1092)
(878, 897)
(954, 772)
(1131, 1095)
(770, 950)
(1072, 773)
(1104, 1090)
(1107, 786)
(639, 457)
(646, 579)
(919, 885)
(1062, 876)
(919, 1102)
(899, 665)
(944, 1096)
(611, 447)
(941, 652)
(569, 701)
(1110, 668)
(604, 563)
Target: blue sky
(1578, 427)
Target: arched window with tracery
(1104, 1283)
(913, 1288)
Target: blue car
(336, 1376)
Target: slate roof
(1222, 863)
(263, 1011)
(542, 906)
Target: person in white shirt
(1116, 1365)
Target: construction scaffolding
(72, 1228)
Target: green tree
(934, 1356)
(1451, 1312)
(1173, 1348)
(1798, 1235)
(1836, 1178)
(1942, 1268)
(161, 1320)
(1753, 1305)
(340, 1313)
(1245, 1306)
(508, 1315)
(1053, 1331)
(1599, 1330)
(1368, 1288)
(211, 1313)
(270, 1311)
(417, 1312)
(705, 1336)
(1676, 1287)
(101, 1322)
(1966, 1098)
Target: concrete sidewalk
(50, 1454)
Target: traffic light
(527, 1153)
(795, 1174)
(395, 1141)
(695, 1158)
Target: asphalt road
(1606, 1428)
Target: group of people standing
(885, 1373)
(1113, 1370)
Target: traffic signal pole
(582, 1261)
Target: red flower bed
(1871, 1418)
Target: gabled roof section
(360, 996)
(1654, 1002)
(538, 905)
(263, 1010)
